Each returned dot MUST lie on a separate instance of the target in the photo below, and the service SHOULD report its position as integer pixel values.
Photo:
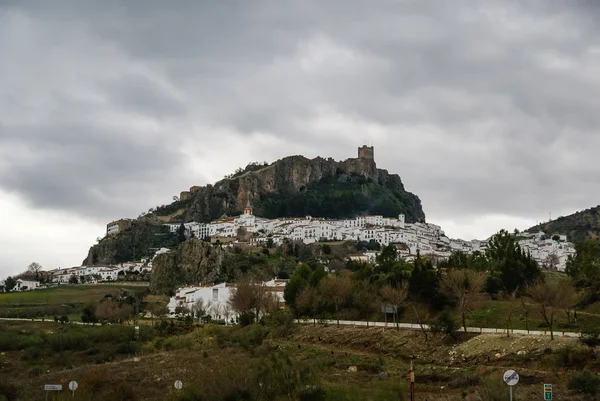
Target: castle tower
(366, 152)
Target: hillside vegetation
(578, 226)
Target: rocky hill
(295, 187)
(578, 226)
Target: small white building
(27, 285)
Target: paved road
(404, 326)
(411, 326)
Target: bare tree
(306, 303)
(525, 309)
(198, 309)
(423, 318)
(551, 296)
(110, 311)
(157, 309)
(248, 296)
(512, 303)
(243, 235)
(465, 288)
(34, 270)
(335, 291)
(552, 261)
(270, 303)
(394, 296)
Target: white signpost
(52, 387)
(178, 385)
(73, 386)
(511, 378)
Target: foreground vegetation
(276, 360)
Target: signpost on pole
(73, 386)
(547, 391)
(511, 378)
(178, 385)
(52, 387)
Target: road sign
(511, 377)
(53, 387)
(178, 385)
(547, 391)
(73, 385)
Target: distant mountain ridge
(578, 226)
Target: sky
(487, 109)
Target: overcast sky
(487, 109)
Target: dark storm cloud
(481, 106)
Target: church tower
(248, 208)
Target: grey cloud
(479, 100)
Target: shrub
(281, 323)
(570, 357)
(494, 389)
(32, 353)
(585, 383)
(122, 392)
(68, 340)
(36, 371)
(246, 319)
(312, 393)
(128, 348)
(8, 391)
(464, 381)
(444, 324)
(590, 336)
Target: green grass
(62, 294)
(64, 300)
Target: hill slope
(578, 226)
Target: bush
(128, 348)
(590, 336)
(122, 392)
(585, 383)
(281, 323)
(8, 391)
(246, 319)
(576, 358)
(444, 324)
(36, 371)
(312, 393)
(32, 353)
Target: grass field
(64, 300)
(63, 294)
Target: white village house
(215, 298)
(27, 285)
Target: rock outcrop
(193, 262)
(294, 186)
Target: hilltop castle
(366, 152)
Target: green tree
(585, 265)
(296, 284)
(181, 233)
(424, 284)
(9, 284)
(510, 264)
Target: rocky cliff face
(193, 262)
(297, 179)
